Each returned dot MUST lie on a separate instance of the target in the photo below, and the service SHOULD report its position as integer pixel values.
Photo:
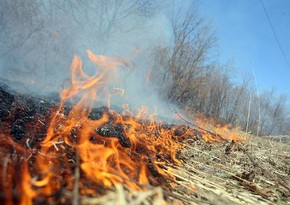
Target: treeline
(39, 39)
(188, 75)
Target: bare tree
(184, 63)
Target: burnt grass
(24, 121)
(25, 117)
(245, 171)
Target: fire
(108, 149)
(133, 158)
(213, 131)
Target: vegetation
(37, 42)
(188, 75)
(41, 37)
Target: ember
(84, 149)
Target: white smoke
(39, 40)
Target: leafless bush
(187, 74)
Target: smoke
(40, 38)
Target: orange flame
(134, 155)
(103, 159)
(215, 131)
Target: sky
(245, 36)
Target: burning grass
(251, 172)
(70, 152)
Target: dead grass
(125, 196)
(252, 172)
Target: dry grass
(252, 172)
(125, 196)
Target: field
(256, 171)
(208, 170)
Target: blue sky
(245, 36)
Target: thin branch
(76, 194)
(194, 125)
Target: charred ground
(254, 171)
